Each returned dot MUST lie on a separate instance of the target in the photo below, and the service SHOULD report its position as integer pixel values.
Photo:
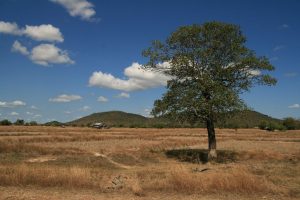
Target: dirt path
(111, 161)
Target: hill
(112, 118)
(246, 119)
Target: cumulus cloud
(85, 108)
(102, 99)
(18, 47)
(255, 72)
(82, 8)
(12, 104)
(37, 116)
(9, 28)
(123, 95)
(29, 113)
(296, 105)
(138, 79)
(14, 114)
(45, 54)
(33, 107)
(64, 98)
(45, 32)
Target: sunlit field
(128, 163)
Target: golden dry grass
(136, 161)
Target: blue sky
(63, 59)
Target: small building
(99, 125)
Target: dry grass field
(123, 163)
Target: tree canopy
(209, 66)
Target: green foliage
(112, 119)
(271, 126)
(33, 123)
(210, 67)
(290, 123)
(263, 125)
(19, 122)
(54, 123)
(5, 122)
(245, 119)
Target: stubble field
(126, 163)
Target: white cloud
(18, 47)
(44, 32)
(29, 113)
(45, 54)
(85, 108)
(67, 112)
(138, 79)
(37, 116)
(255, 72)
(296, 105)
(123, 95)
(279, 47)
(33, 107)
(82, 8)
(64, 98)
(14, 114)
(102, 99)
(9, 28)
(12, 104)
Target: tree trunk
(212, 143)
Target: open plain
(39, 162)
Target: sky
(64, 59)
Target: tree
(5, 122)
(33, 123)
(209, 66)
(19, 122)
(290, 123)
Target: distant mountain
(112, 118)
(245, 119)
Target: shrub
(19, 122)
(33, 123)
(271, 126)
(5, 122)
(290, 123)
(263, 125)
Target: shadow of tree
(201, 155)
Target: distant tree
(290, 123)
(263, 125)
(5, 122)
(19, 122)
(210, 67)
(33, 123)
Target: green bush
(263, 125)
(5, 122)
(271, 126)
(290, 123)
(33, 123)
(19, 122)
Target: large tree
(209, 66)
